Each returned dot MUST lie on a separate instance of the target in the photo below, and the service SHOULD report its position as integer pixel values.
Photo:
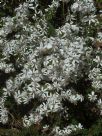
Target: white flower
(26, 121)
(75, 6)
(92, 97)
(45, 127)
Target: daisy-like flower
(92, 97)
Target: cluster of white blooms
(84, 6)
(42, 66)
(96, 77)
(52, 105)
(67, 130)
(71, 96)
(7, 68)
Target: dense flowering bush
(52, 69)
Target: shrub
(51, 71)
